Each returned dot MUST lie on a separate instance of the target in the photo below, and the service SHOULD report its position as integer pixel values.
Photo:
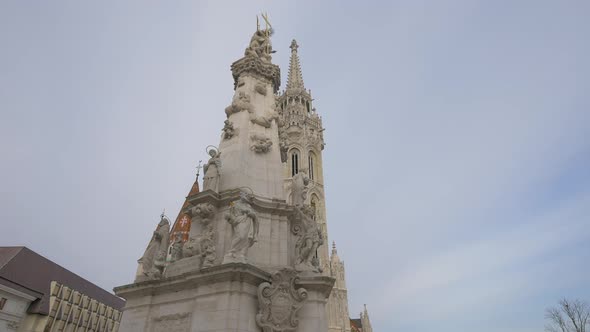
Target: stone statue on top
(260, 45)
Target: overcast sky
(458, 141)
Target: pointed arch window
(294, 162)
(311, 165)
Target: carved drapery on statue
(309, 238)
(212, 171)
(244, 225)
(153, 261)
(279, 302)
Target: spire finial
(294, 46)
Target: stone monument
(250, 261)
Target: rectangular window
(2, 303)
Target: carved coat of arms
(279, 302)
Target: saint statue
(309, 240)
(212, 171)
(244, 223)
(153, 261)
(300, 181)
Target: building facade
(37, 295)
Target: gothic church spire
(294, 78)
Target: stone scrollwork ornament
(279, 302)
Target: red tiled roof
(184, 227)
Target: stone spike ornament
(279, 302)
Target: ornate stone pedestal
(220, 298)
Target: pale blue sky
(458, 141)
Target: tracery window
(311, 165)
(294, 162)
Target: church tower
(302, 142)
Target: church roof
(182, 226)
(356, 324)
(26, 271)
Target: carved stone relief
(260, 88)
(172, 323)
(279, 302)
(203, 244)
(204, 211)
(176, 249)
(228, 130)
(260, 144)
(240, 103)
(264, 120)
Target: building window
(311, 166)
(294, 162)
(2, 303)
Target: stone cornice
(258, 68)
(320, 283)
(215, 274)
(277, 206)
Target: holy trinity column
(250, 262)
